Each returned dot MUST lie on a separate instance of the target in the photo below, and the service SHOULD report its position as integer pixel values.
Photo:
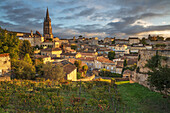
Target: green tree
(77, 63)
(9, 43)
(85, 68)
(53, 72)
(23, 70)
(25, 48)
(111, 55)
(28, 59)
(125, 63)
(143, 41)
(159, 76)
(74, 47)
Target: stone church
(47, 29)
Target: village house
(89, 61)
(70, 55)
(5, 65)
(127, 73)
(43, 58)
(102, 62)
(134, 40)
(52, 52)
(88, 54)
(69, 69)
(121, 41)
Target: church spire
(47, 15)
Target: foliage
(160, 78)
(111, 55)
(9, 43)
(74, 47)
(28, 59)
(77, 63)
(85, 68)
(143, 41)
(125, 63)
(113, 42)
(160, 45)
(25, 48)
(53, 72)
(78, 75)
(23, 70)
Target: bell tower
(47, 29)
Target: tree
(25, 48)
(28, 59)
(125, 63)
(85, 68)
(143, 41)
(74, 47)
(53, 72)
(23, 70)
(111, 55)
(77, 63)
(159, 76)
(9, 43)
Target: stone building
(134, 40)
(5, 64)
(47, 29)
(52, 52)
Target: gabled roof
(104, 60)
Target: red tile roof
(4, 55)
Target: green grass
(141, 99)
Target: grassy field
(142, 100)
(77, 97)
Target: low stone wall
(5, 78)
(87, 78)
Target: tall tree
(9, 43)
(77, 63)
(28, 59)
(23, 70)
(53, 72)
(25, 48)
(111, 55)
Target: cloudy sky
(90, 18)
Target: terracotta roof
(104, 60)
(4, 55)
